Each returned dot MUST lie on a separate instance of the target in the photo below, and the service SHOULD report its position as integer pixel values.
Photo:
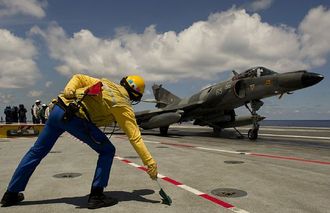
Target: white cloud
(228, 40)
(315, 30)
(22, 7)
(258, 5)
(35, 93)
(17, 65)
(6, 98)
(48, 84)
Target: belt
(72, 109)
(69, 111)
(61, 104)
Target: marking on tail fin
(164, 97)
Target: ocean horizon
(296, 123)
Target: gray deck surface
(286, 170)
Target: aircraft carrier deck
(285, 170)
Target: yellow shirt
(113, 104)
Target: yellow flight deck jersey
(113, 104)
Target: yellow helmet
(134, 85)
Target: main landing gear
(163, 130)
(255, 106)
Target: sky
(183, 45)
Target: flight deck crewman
(80, 114)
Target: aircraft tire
(163, 130)
(217, 131)
(253, 134)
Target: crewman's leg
(37, 152)
(32, 158)
(97, 140)
(106, 152)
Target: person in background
(14, 114)
(22, 113)
(50, 108)
(8, 114)
(36, 111)
(33, 118)
(42, 113)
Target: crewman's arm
(126, 120)
(77, 85)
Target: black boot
(11, 198)
(98, 200)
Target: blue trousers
(54, 127)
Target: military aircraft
(215, 105)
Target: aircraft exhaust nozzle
(161, 120)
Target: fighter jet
(215, 105)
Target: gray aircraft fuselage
(234, 93)
(214, 106)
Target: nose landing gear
(253, 133)
(255, 106)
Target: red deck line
(217, 201)
(172, 181)
(290, 158)
(142, 168)
(180, 145)
(126, 161)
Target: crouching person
(86, 104)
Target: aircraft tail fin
(164, 97)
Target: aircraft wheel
(253, 134)
(163, 130)
(217, 131)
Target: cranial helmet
(134, 85)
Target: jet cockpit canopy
(254, 72)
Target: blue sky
(183, 45)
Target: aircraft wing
(156, 118)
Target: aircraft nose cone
(309, 79)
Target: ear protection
(133, 95)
